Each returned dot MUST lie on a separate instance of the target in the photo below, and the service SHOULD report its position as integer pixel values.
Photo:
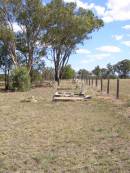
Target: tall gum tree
(68, 26)
(29, 16)
(7, 35)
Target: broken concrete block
(68, 98)
(87, 97)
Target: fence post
(81, 77)
(101, 84)
(96, 82)
(92, 81)
(89, 81)
(86, 80)
(108, 86)
(118, 88)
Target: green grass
(76, 137)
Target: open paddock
(124, 87)
(55, 137)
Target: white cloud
(126, 43)
(114, 10)
(117, 10)
(127, 27)
(81, 4)
(83, 51)
(100, 56)
(16, 27)
(100, 10)
(109, 49)
(95, 57)
(87, 61)
(117, 37)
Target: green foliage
(21, 79)
(97, 71)
(5, 64)
(2, 77)
(5, 60)
(36, 76)
(60, 26)
(48, 73)
(104, 72)
(31, 17)
(122, 68)
(68, 72)
(111, 71)
(6, 34)
(67, 27)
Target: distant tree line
(121, 69)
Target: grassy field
(124, 88)
(62, 137)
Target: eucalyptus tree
(5, 63)
(7, 19)
(28, 15)
(97, 71)
(30, 19)
(123, 68)
(67, 27)
(110, 71)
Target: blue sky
(111, 43)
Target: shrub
(20, 79)
(68, 72)
(2, 77)
(35, 76)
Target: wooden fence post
(108, 86)
(101, 84)
(96, 82)
(87, 80)
(118, 89)
(83, 78)
(92, 81)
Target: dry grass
(124, 88)
(76, 137)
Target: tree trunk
(30, 59)
(57, 77)
(5, 79)
(8, 79)
(29, 66)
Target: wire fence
(120, 88)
